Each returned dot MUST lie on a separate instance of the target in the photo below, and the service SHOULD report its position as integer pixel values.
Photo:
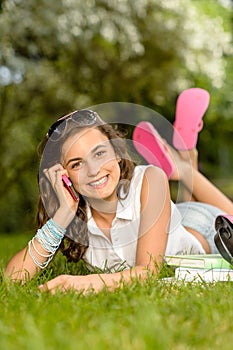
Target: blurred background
(57, 56)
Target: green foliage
(56, 56)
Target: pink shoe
(190, 108)
(147, 143)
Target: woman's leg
(199, 217)
(191, 157)
(196, 183)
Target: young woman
(123, 221)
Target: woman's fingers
(63, 283)
(54, 175)
(77, 283)
(58, 283)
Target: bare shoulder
(153, 174)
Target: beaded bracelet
(49, 237)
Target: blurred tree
(68, 54)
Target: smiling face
(92, 164)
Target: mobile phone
(69, 186)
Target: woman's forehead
(84, 141)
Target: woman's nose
(93, 168)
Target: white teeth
(99, 182)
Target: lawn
(152, 315)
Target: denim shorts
(200, 217)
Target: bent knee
(201, 239)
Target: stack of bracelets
(49, 237)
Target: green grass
(152, 315)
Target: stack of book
(201, 267)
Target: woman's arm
(154, 227)
(23, 266)
(155, 219)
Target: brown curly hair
(75, 243)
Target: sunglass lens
(83, 117)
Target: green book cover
(201, 261)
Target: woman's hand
(78, 283)
(68, 206)
(94, 282)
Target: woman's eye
(100, 153)
(76, 165)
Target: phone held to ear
(69, 186)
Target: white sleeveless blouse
(120, 252)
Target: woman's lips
(99, 183)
